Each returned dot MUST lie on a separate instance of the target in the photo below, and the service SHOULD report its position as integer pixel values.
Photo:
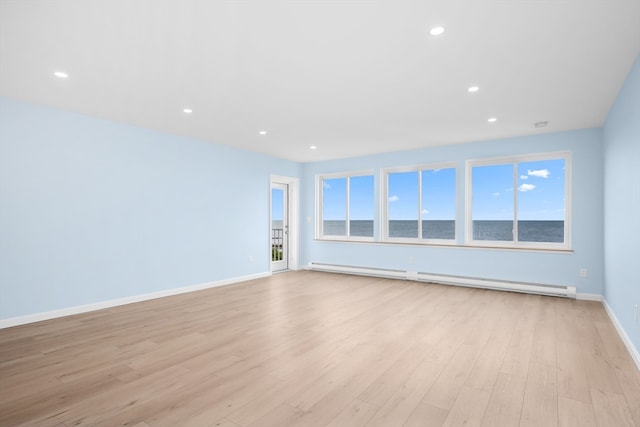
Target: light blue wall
(622, 205)
(92, 210)
(543, 267)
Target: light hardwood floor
(319, 349)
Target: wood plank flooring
(320, 349)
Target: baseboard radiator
(473, 282)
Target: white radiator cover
(474, 282)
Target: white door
(279, 227)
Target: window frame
(384, 205)
(515, 161)
(319, 206)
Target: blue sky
(334, 199)
(438, 195)
(540, 192)
(361, 197)
(276, 204)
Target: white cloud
(526, 187)
(524, 176)
(393, 199)
(542, 173)
(497, 193)
(326, 185)
(425, 212)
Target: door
(279, 227)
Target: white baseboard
(623, 335)
(589, 297)
(37, 317)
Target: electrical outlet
(583, 272)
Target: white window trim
(384, 205)
(469, 164)
(319, 219)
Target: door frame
(293, 185)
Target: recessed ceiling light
(541, 124)
(263, 132)
(312, 147)
(187, 111)
(492, 119)
(436, 31)
(473, 88)
(61, 74)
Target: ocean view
(529, 231)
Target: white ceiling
(352, 77)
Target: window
(519, 201)
(346, 206)
(420, 204)
(510, 202)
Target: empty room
(337, 213)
